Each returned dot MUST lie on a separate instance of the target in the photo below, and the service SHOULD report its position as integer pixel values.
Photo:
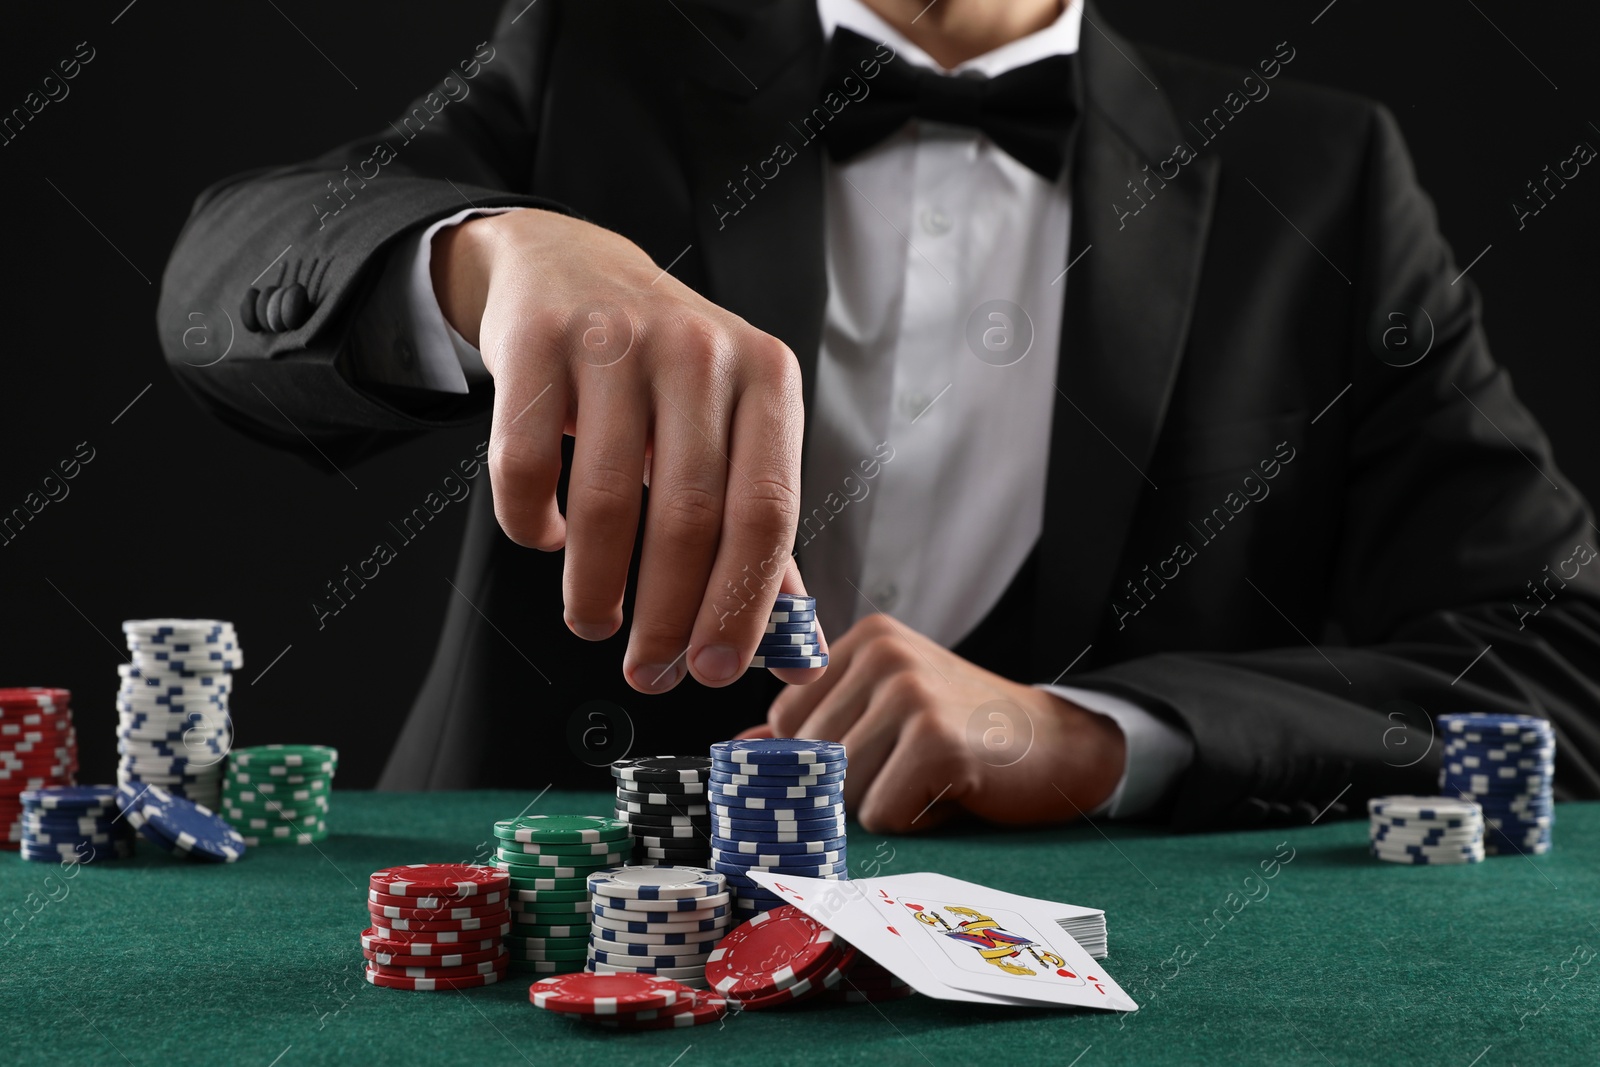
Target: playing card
(957, 940)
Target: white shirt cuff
(416, 347)
(1157, 752)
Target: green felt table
(1338, 959)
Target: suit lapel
(1129, 298)
(758, 211)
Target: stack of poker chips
(627, 1001)
(653, 789)
(173, 728)
(778, 958)
(660, 921)
(74, 824)
(1507, 764)
(436, 926)
(280, 793)
(1425, 830)
(178, 825)
(548, 860)
(791, 636)
(38, 748)
(777, 806)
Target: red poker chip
(584, 993)
(703, 1009)
(476, 901)
(442, 937)
(826, 979)
(499, 916)
(439, 880)
(402, 944)
(391, 981)
(451, 911)
(772, 952)
(452, 959)
(35, 696)
(465, 970)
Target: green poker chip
(561, 829)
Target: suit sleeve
(330, 222)
(1466, 574)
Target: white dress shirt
(945, 261)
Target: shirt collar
(1058, 38)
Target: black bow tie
(1028, 112)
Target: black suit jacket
(1255, 526)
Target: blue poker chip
(730, 806)
(792, 616)
(775, 830)
(603, 912)
(721, 790)
(1492, 722)
(775, 781)
(819, 870)
(799, 663)
(179, 825)
(744, 882)
(786, 862)
(790, 628)
(765, 650)
(795, 601)
(70, 797)
(781, 751)
(787, 640)
(60, 822)
(662, 907)
(755, 894)
(738, 845)
(644, 963)
(775, 769)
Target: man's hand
(928, 733)
(586, 336)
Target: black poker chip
(662, 769)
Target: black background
(178, 516)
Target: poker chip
(557, 859)
(441, 912)
(682, 804)
(778, 792)
(662, 917)
(678, 926)
(537, 936)
(657, 883)
(543, 848)
(389, 931)
(656, 950)
(605, 994)
(391, 981)
(178, 825)
(670, 905)
(682, 769)
(693, 974)
(693, 857)
(452, 880)
(703, 1009)
(789, 662)
(534, 896)
(280, 793)
(561, 828)
(74, 823)
(660, 819)
(445, 960)
(775, 950)
(412, 945)
(831, 800)
(1419, 830)
(723, 768)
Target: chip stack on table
(74, 823)
(280, 793)
(173, 728)
(627, 1001)
(179, 825)
(661, 921)
(1507, 764)
(1425, 830)
(780, 957)
(650, 788)
(38, 747)
(548, 859)
(436, 926)
(791, 636)
(777, 806)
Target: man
(1122, 490)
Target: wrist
(460, 264)
(1097, 752)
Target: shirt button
(886, 596)
(936, 221)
